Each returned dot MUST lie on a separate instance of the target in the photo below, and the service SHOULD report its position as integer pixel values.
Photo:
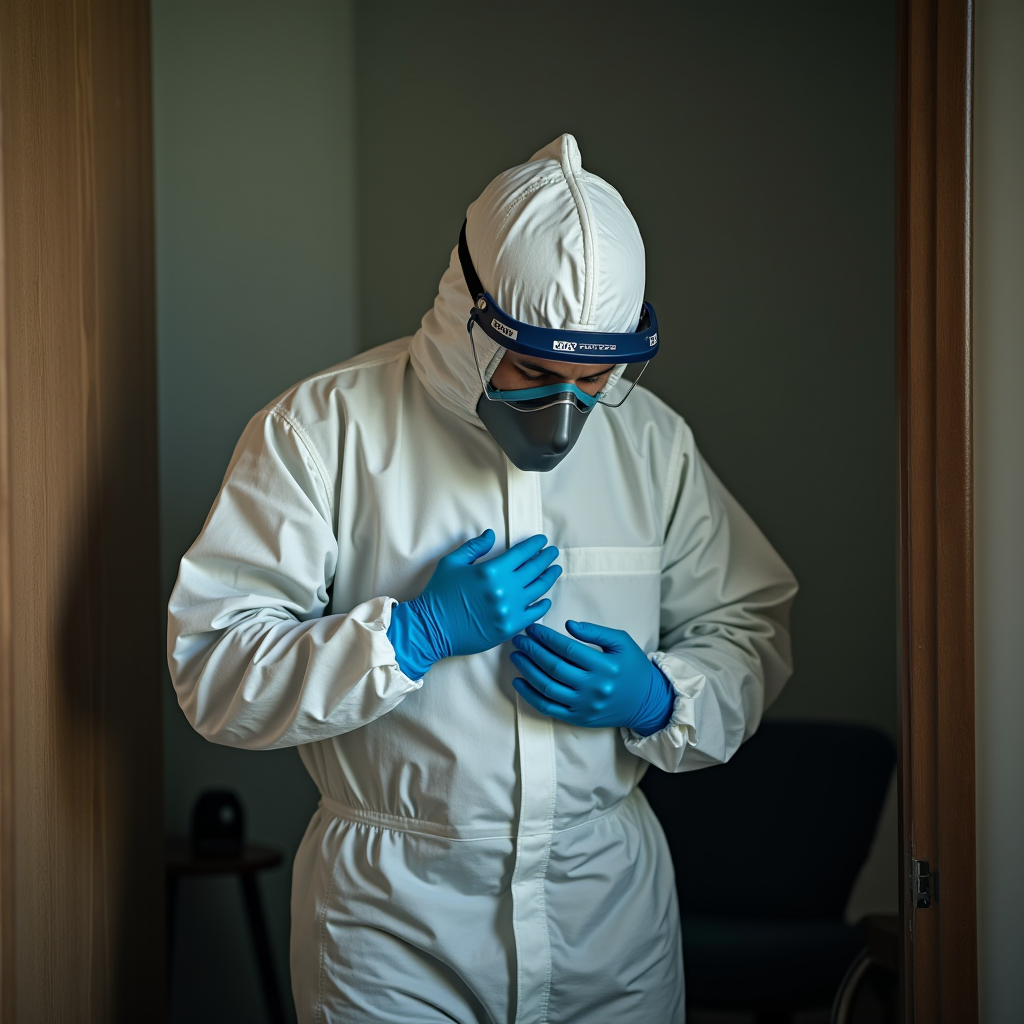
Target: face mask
(537, 427)
(536, 439)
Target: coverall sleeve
(725, 600)
(254, 660)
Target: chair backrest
(782, 829)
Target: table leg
(171, 915)
(261, 942)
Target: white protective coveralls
(472, 860)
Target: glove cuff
(656, 711)
(416, 637)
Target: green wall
(754, 144)
(256, 289)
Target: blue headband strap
(547, 343)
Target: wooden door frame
(81, 815)
(936, 700)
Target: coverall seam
(310, 448)
(523, 193)
(338, 371)
(280, 410)
(322, 938)
(514, 202)
(673, 482)
(527, 920)
(542, 874)
(586, 219)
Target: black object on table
(181, 861)
(218, 824)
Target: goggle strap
(473, 283)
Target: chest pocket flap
(616, 587)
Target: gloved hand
(615, 686)
(470, 606)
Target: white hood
(556, 247)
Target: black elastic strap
(476, 289)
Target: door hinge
(923, 885)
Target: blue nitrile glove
(470, 606)
(615, 686)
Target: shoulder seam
(676, 470)
(338, 370)
(311, 449)
(280, 411)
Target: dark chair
(766, 851)
(870, 991)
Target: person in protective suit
(483, 582)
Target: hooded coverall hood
(556, 246)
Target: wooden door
(80, 754)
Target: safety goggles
(634, 349)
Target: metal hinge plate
(922, 885)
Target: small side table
(181, 862)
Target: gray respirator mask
(534, 439)
(537, 427)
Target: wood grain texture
(937, 678)
(7, 877)
(81, 872)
